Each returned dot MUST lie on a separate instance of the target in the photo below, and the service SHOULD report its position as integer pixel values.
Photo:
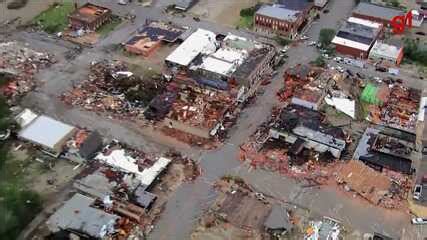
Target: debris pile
(393, 105)
(18, 64)
(191, 169)
(112, 88)
(388, 189)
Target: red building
(89, 17)
(277, 19)
(357, 37)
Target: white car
(337, 59)
(312, 43)
(419, 221)
(304, 37)
(284, 49)
(417, 192)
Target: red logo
(398, 23)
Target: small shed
(278, 223)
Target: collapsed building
(392, 105)
(212, 75)
(150, 37)
(304, 128)
(386, 148)
(89, 17)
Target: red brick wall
(351, 51)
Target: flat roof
(373, 10)
(357, 33)
(279, 12)
(219, 66)
(46, 131)
(382, 50)
(89, 12)
(76, 214)
(157, 31)
(201, 41)
(25, 117)
(297, 4)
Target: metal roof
(201, 41)
(76, 214)
(279, 12)
(357, 33)
(377, 11)
(385, 51)
(183, 4)
(46, 131)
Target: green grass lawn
(55, 18)
(245, 22)
(108, 27)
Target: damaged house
(89, 17)
(386, 148)
(150, 37)
(303, 128)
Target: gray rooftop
(374, 10)
(76, 214)
(183, 4)
(278, 12)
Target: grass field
(54, 19)
(245, 22)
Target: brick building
(278, 19)
(376, 13)
(89, 17)
(357, 36)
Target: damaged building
(223, 64)
(304, 128)
(89, 17)
(386, 148)
(151, 36)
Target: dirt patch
(24, 14)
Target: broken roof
(383, 155)
(91, 145)
(77, 214)
(89, 12)
(279, 12)
(201, 41)
(357, 33)
(120, 159)
(157, 31)
(385, 51)
(25, 117)
(377, 11)
(46, 131)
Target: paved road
(188, 202)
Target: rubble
(393, 105)
(112, 89)
(18, 65)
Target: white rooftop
(350, 43)
(386, 51)
(364, 22)
(201, 41)
(217, 66)
(46, 131)
(25, 117)
(120, 159)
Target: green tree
(325, 36)
(413, 51)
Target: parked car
(417, 192)
(337, 59)
(381, 69)
(419, 221)
(123, 2)
(197, 19)
(304, 37)
(350, 72)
